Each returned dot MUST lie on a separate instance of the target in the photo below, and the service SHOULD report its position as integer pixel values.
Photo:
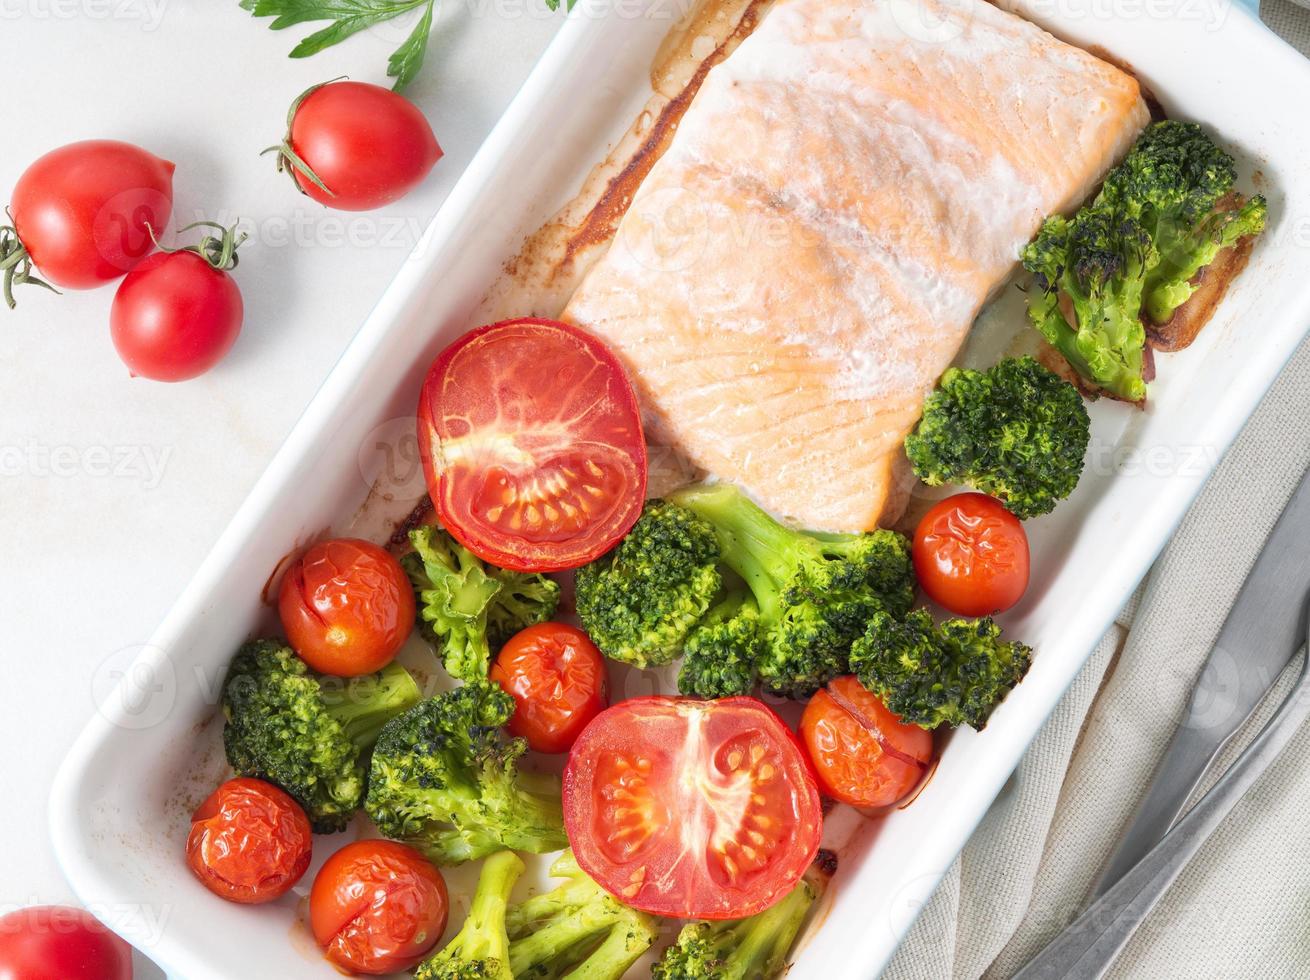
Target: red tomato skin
(52, 942)
(367, 144)
(558, 681)
(792, 839)
(250, 842)
(347, 607)
(82, 209)
(862, 753)
(451, 499)
(175, 316)
(971, 555)
(377, 907)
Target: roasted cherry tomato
(178, 313)
(692, 809)
(532, 445)
(377, 907)
(82, 211)
(558, 680)
(971, 555)
(250, 842)
(347, 607)
(862, 753)
(51, 942)
(355, 147)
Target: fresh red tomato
(692, 809)
(82, 211)
(356, 147)
(862, 753)
(971, 555)
(51, 942)
(558, 680)
(377, 907)
(532, 445)
(347, 607)
(250, 842)
(175, 316)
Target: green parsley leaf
(350, 17)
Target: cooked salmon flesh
(842, 196)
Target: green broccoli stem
(1109, 326)
(558, 934)
(568, 929)
(538, 828)
(483, 935)
(450, 847)
(769, 935)
(1124, 381)
(627, 941)
(754, 545)
(566, 866)
(523, 917)
(362, 705)
(543, 785)
(539, 825)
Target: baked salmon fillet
(842, 196)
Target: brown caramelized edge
(1211, 284)
(602, 221)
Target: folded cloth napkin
(1289, 19)
(1241, 909)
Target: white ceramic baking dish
(119, 806)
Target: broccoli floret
(308, 733)
(469, 608)
(1017, 431)
(1134, 251)
(1097, 262)
(747, 949)
(952, 674)
(640, 602)
(816, 593)
(445, 779)
(722, 656)
(480, 950)
(576, 931)
(1171, 181)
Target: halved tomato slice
(532, 446)
(692, 809)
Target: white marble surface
(113, 489)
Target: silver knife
(1263, 631)
(1088, 947)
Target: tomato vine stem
(219, 251)
(288, 160)
(16, 263)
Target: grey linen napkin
(1288, 20)
(1241, 909)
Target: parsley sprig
(352, 16)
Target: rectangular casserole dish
(121, 800)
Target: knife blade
(1263, 631)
